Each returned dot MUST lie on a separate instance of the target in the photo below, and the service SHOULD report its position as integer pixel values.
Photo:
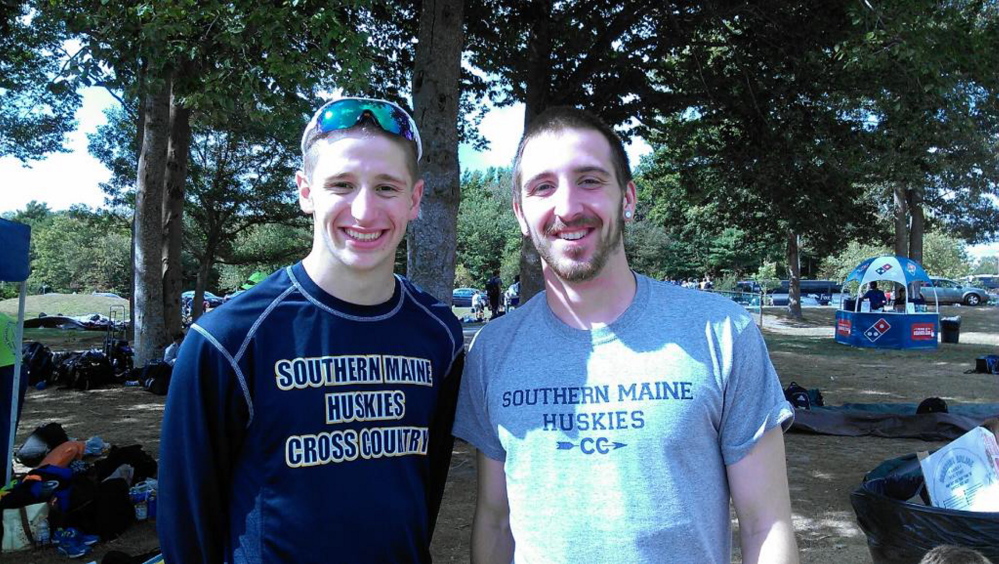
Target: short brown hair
(560, 118)
(950, 554)
(310, 152)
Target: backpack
(932, 405)
(988, 364)
(156, 377)
(63, 366)
(37, 358)
(797, 396)
(90, 370)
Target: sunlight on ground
(836, 524)
(819, 475)
(144, 407)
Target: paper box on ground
(964, 475)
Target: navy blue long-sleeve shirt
(301, 428)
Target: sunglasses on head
(349, 112)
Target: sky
(64, 179)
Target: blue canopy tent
(14, 267)
(903, 329)
(901, 270)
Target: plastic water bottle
(139, 495)
(151, 505)
(42, 535)
(141, 510)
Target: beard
(567, 265)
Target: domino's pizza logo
(883, 268)
(875, 331)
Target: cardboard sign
(964, 475)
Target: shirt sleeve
(203, 426)
(472, 422)
(441, 439)
(754, 399)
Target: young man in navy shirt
(309, 418)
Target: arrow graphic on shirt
(565, 445)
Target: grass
(62, 304)
(828, 347)
(60, 340)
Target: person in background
(170, 354)
(875, 296)
(649, 406)
(511, 298)
(494, 287)
(310, 419)
(900, 299)
(479, 305)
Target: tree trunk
(173, 212)
(901, 212)
(538, 88)
(916, 230)
(150, 334)
(140, 131)
(204, 270)
(432, 242)
(794, 276)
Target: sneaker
(72, 548)
(71, 535)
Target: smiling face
(571, 203)
(361, 194)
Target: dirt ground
(822, 470)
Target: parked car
(107, 295)
(950, 292)
(462, 297)
(988, 282)
(820, 290)
(211, 300)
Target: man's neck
(594, 303)
(360, 288)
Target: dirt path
(822, 470)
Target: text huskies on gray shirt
(615, 440)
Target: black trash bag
(901, 531)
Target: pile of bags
(76, 493)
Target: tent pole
(16, 392)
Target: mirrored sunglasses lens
(344, 114)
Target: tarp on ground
(15, 240)
(892, 420)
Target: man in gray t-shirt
(615, 416)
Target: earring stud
(627, 214)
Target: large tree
(241, 60)
(240, 176)
(767, 147)
(597, 54)
(432, 236)
(37, 102)
(927, 91)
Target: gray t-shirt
(615, 440)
